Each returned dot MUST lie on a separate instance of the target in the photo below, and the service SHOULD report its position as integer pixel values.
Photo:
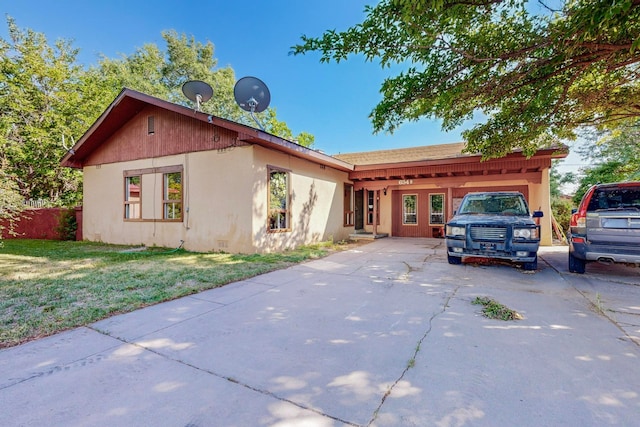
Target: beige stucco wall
(103, 196)
(225, 202)
(540, 199)
(316, 202)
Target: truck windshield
(503, 204)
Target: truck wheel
(455, 260)
(531, 266)
(576, 265)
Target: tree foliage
(38, 100)
(557, 180)
(535, 72)
(614, 155)
(10, 203)
(48, 100)
(162, 73)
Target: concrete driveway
(381, 335)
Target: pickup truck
(494, 225)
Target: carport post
(375, 213)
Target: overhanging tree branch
(567, 68)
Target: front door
(359, 209)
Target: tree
(47, 100)
(614, 155)
(560, 205)
(10, 203)
(557, 179)
(162, 74)
(536, 73)
(38, 100)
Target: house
(413, 192)
(158, 173)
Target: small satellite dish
(197, 91)
(252, 95)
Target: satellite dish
(252, 95)
(197, 91)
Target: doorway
(359, 211)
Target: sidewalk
(382, 335)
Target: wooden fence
(43, 223)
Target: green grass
(49, 286)
(494, 310)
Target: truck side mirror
(538, 214)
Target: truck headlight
(453, 230)
(525, 233)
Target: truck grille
(488, 233)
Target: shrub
(561, 209)
(10, 204)
(67, 224)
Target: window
(132, 193)
(436, 208)
(278, 200)
(494, 203)
(370, 200)
(615, 197)
(348, 205)
(166, 200)
(172, 196)
(410, 209)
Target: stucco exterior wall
(316, 202)
(103, 206)
(224, 202)
(540, 200)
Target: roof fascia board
(555, 153)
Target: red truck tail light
(579, 219)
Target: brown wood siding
(423, 228)
(173, 133)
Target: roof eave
(75, 157)
(553, 152)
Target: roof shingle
(400, 155)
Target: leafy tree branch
(537, 73)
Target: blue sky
(330, 101)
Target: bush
(561, 209)
(67, 225)
(10, 203)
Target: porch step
(361, 235)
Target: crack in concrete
(411, 362)
(594, 304)
(231, 380)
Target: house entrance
(359, 209)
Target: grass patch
(494, 310)
(48, 286)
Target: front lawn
(49, 286)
